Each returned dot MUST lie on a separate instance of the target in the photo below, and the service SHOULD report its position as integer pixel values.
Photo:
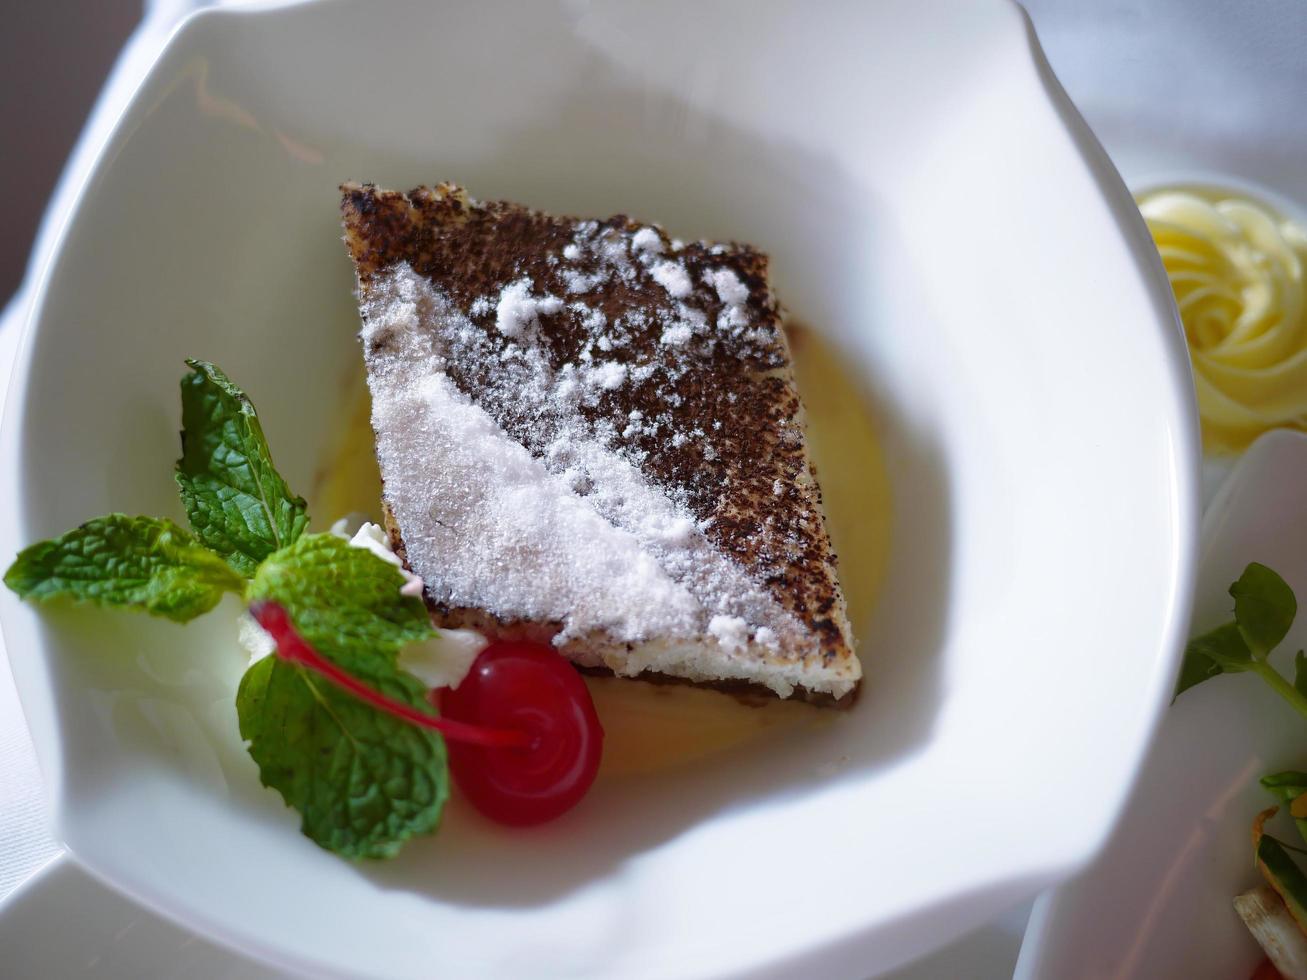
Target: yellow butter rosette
(1236, 268)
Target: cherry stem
(294, 649)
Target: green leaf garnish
(1264, 608)
(1223, 650)
(1283, 874)
(362, 780)
(236, 501)
(144, 563)
(346, 600)
(1280, 870)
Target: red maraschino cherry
(523, 737)
(521, 686)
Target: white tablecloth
(25, 841)
(1167, 85)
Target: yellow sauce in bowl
(653, 727)
(1236, 266)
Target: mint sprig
(144, 563)
(236, 501)
(362, 780)
(345, 600)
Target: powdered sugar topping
(517, 310)
(732, 632)
(647, 240)
(673, 278)
(574, 534)
(608, 375)
(727, 284)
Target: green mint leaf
(1283, 874)
(140, 563)
(1287, 787)
(362, 780)
(236, 501)
(1223, 650)
(345, 601)
(1264, 607)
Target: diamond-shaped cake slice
(589, 434)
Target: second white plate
(1156, 903)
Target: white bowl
(931, 202)
(1157, 901)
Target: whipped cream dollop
(373, 537)
(1236, 267)
(442, 661)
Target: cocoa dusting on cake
(628, 400)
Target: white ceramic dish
(930, 201)
(62, 923)
(1209, 110)
(1157, 902)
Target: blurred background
(54, 56)
(1218, 78)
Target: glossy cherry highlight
(524, 738)
(525, 687)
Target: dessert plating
(589, 433)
